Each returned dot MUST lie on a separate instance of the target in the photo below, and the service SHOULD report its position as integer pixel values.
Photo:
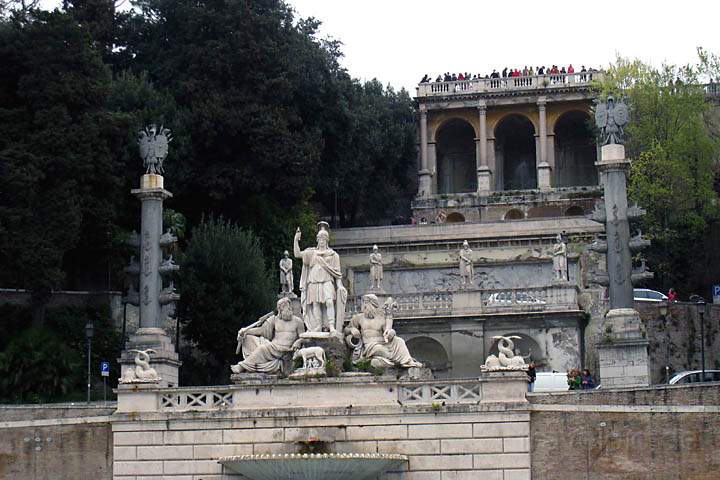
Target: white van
(551, 382)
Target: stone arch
(455, 217)
(455, 153)
(515, 153)
(575, 150)
(514, 214)
(526, 346)
(430, 353)
(575, 211)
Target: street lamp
(88, 334)
(700, 304)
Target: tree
(675, 158)
(224, 285)
(57, 173)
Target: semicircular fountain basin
(312, 466)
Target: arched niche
(515, 156)
(455, 217)
(514, 214)
(430, 353)
(455, 150)
(526, 346)
(575, 211)
(575, 150)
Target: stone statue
(287, 282)
(322, 294)
(467, 271)
(371, 334)
(560, 264)
(153, 144)
(143, 372)
(376, 268)
(506, 358)
(313, 359)
(265, 342)
(611, 118)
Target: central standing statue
(322, 294)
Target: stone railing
(412, 304)
(560, 296)
(450, 392)
(184, 400)
(488, 85)
(356, 390)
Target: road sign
(716, 293)
(105, 369)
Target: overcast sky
(398, 41)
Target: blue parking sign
(105, 369)
(716, 293)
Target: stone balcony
(559, 297)
(491, 86)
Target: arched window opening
(515, 154)
(575, 151)
(456, 157)
(430, 353)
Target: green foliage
(224, 285)
(674, 150)
(50, 364)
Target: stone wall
(480, 431)
(675, 337)
(631, 434)
(39, 442)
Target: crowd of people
(576, 379)
(586, 73)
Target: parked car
(695, 376)
(645, 295)
(506, 298)
(551, 382)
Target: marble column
(481, 157)
(543, 168)
(432, 167)
(623, 351)
(151, 334)
(424, 186)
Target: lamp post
(88, 334)
(700, 304)
(663, 309)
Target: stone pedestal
(623, 350)
(484, 179)
(424, 183)
(504, 386)
(334, 347)
(543, 171)
(165, 361)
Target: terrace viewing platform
(579, 80)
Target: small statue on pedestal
(287, 282)
(265, 342)
(467, 270)
(376, 269)
(560, 264)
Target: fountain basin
(312, 466)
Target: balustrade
(200, 400)
(507, 83)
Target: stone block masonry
(455, 441)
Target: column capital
(541, 102)
(482, 106)
(423, 109)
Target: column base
(165, 361)
(483, 178)
(623, 350)
(424, 183)
(543, 172)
